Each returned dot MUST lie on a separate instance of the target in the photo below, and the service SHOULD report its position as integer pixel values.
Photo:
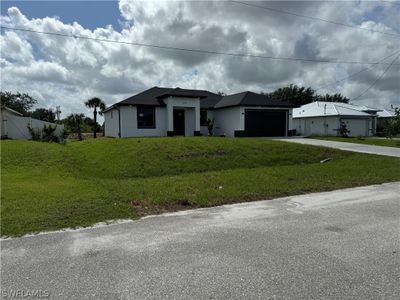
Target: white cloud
(15, 48)
(67, 71)
(40, 71)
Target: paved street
(335, 245)
(371, 149)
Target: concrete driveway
(336, 245)
(370, 149)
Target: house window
(146, 117)
(203, 118)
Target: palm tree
(95, 103)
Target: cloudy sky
(66, 70)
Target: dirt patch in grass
(202, 154)
(143, 208)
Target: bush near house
(46, 134)
(50, 186)
(392, 127)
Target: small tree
(95, 103)
(74, 124)
(48, 133)
(210, 126)
(64, 133)
(343, 131)
(392, 127)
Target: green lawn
(363, 140)
(50, 186)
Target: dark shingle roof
(183, 93)
(208, 100)
(154, 96)
(147, 97)
(251, 99)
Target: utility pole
(58, 112)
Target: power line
(313, 18)
(351, 75)
(195, 50)
(391, 2)
(379, 78)
(358, 72)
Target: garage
(265, 122)
(357, 127)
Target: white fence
(15, 127)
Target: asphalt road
(335, 245)
(370, 149)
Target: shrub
(36, 134)
(64, 133)
(343, 131)
(210, 126)
(46, 134)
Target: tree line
(73, 123)
(299, 95)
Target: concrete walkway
(336, 245)
(370, 149)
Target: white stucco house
(175, 111)
(324, 118)
(15, 126)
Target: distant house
(15, 126)
(175, 111)
(383, 117)
(325, 118)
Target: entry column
(170, 117)
(197, 119)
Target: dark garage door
(265, 123)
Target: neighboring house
(15, 126)
(175, 111)
(325, 118)
(383, 117)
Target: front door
(179, 122)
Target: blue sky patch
(89, 14)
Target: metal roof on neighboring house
(385, 114)
(320, 108)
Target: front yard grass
(50, 186)
(363, 140)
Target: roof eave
(11, 110)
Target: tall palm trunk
(95, 122)
(79, 132)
